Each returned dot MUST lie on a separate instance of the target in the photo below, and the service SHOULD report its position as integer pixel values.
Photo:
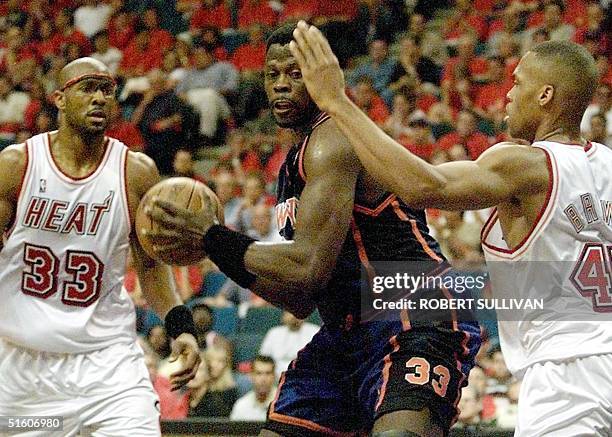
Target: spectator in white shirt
(253, 406)
(92, 17)
(283, 343)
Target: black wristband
(178, 321)
(226, 248)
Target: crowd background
(433, 74)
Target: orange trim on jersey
(124, 157)
(376, 211)
(99, 166)
(363, 255)
(303, 423)
(385, 372)
(415, 230)
(538, 224)
(24, 176)
(405, 318)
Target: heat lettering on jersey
(54, 215)
(286, 211)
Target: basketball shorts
(106, 392)
(563, 399)
(345, 379)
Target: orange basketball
(183, 192)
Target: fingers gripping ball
(184, 193)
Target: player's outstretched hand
(178, 227)
(320, 68)
(185, 350)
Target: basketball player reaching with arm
(67, 341)
(553, 200)
(353, 376)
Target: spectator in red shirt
(173, 405)
(212, 13)
(256, 12)
(465, 19)
(123, 130)
(491, 97)
(466, 135)
(251, 56)
(294, 10)
(365, 96)
(121, 29)
(45, 46)
(67, 33)
(141, 56)
(163, 39)
(420, 140)
(477, 66)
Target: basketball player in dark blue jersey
(392, 378)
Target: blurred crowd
(432, 74)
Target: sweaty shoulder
(524, 165)
(329, 150)
(13, 162)
(141, 174)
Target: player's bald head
(83, 67)
(570, 69)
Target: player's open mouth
(282, 105)
(98, 114)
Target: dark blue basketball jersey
(388, 231)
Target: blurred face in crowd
(225, 183)
(498, 366)
(263, 378)
(158, 339)
(101, 43)
(470, 406)
(602, 97)
(496, 70)
(5, 87)
(202, 58)
(378, 51)
(400, 105)
(262, 219)
(157, 81)
(287, 95)
(595, 14)
(292, 322)
(183, 163)
(253, 189)
(363, 93)
(465, 49)
(552, 16)
(478, 380)
(202, 319)
(466, 124)
(150, 19)
(217, 362)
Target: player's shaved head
(571, 70)
(81, 67)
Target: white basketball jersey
(64, 259)
(565, 261)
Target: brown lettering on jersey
(572, 214)
(588, 206)
(286, 211)
(34, 212)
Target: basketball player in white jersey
(553, 200)
(67, 326)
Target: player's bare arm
(13, 161)
(502, 174)
(288, 274)
(155, 278)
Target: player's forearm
(297, 302)
(158, 289)
(398, 170)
